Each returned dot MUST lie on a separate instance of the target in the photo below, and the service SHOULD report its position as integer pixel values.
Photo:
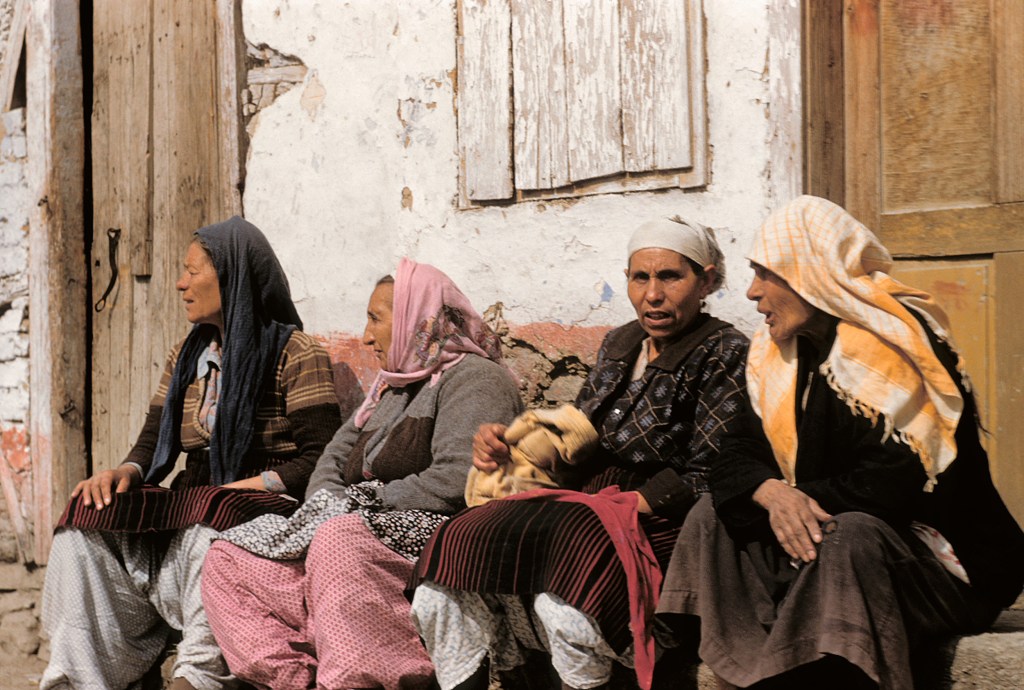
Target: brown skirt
(868, 598)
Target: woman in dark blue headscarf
(250, 399)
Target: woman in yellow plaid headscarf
(855, 515)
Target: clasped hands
(795, 518)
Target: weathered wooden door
(165, 161)
(915, 123)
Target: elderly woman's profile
(318, 600)
(250, 399)
(853, 515)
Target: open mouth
(655, 317)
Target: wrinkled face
(665, 291)
(378, 321)
(786, 313)
(200, 289)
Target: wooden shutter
(590, 96)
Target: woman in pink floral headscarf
(317, 600)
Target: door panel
(964, 288)
(915, 127)
(161, 149)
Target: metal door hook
(113, 237)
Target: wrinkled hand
(794, 516)
(97, 489)
(489, 447)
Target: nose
(368, 338)
(181, 284)
(754, 292)
(655, 291)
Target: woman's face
(665, 291)
(378, 321)
(200, 289)
(786, 313)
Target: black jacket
(843, 464)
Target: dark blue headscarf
(259, 317)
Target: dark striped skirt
(531, 547)
(155, 509)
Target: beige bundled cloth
(539, 441)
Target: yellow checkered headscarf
(881, 363)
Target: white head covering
(693, 240)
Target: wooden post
(231, 62)
(57, 269)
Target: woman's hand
(97, 489)
(795, 518)
(489, 447)
(250, 483)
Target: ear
(710, 276)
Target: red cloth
(617, 511)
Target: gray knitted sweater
(419, 439)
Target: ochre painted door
(164, 163)
(915, 123)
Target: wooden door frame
(843, 163)
(57, 265)
(58, 270)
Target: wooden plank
(1008, 134)
(697, 175)
(936, 129)
(121, 200)
(539, 78)
(1008, 467)
(10, 52)
(862, 155)
(593, 99)
(655, 84)
(57, 300)
(823, 98)
(484, 98)
(189, 186)
(952, 232)
(231, 80)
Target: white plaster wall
(329, 161)
(14, 205)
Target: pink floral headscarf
(433, 328)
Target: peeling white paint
(330, 191)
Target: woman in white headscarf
(855, 512)
(577, 573)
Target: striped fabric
(522, 547)
(155, 509)
(881, 364)
(300, 371)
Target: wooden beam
(956, 231)
(232, 79)
(1008, 468)
(10, 53)
(861, 118)
(57, 269)
(823, 101)
(1008, 146)
(484, 99)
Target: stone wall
(19, 585)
